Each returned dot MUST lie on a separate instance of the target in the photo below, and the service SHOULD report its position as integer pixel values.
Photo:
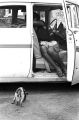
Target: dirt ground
(53, 105)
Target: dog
(19, 96)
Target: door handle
(75, 32)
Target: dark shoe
(64, 70)
(12, 102)
(59, 72)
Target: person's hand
(44, 43)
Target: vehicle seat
(40, 61)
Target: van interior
(54, 22)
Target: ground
(42, 104)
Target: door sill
(44, 76)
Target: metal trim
(15, 45)
(77, 49)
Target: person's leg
(55, 56)
(48, 58)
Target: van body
(17, 40)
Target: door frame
(70, 47)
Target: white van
(17, 63)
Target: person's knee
(43, 50)
(51, 51)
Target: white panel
(14, 62)
(70, 60)
(14, 36)
(76, 70)
(70, 55)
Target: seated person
(40, 28)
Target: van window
(12, 16)
(73, 15)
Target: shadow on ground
(36, 87)
(46, 101)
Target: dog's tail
(25, 95)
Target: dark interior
(39, 64)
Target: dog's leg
(21, 101)
(14, 99)
(21, 104)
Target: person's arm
(38, 23)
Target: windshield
(12, 16)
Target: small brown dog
(20, 96)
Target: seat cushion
(40, 63)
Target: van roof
(40, 1)
(43, 1)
